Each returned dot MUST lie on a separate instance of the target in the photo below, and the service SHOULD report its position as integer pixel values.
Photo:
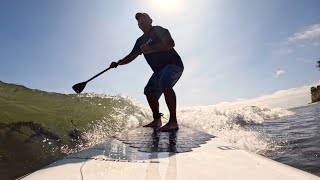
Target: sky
(261, 52)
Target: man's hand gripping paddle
(78, 88)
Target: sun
(168, 7)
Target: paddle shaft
(98, 74)
(134, 54)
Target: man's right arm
(126, 60)
(130, 57)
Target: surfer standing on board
(157, 45)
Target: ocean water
(291, 137)
(298, 138)
(38, 128)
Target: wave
(48, 126)
(234, 124)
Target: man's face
(144, 23)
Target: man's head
(144, 21)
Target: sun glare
(166, 6)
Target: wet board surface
(143, 153)
(150, 140)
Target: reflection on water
(153, 171)
(150, 140)
(163, 144)
(146, 145)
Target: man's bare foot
(154, 124)
(170, 126)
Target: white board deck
(143, 154)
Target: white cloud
(310, 33)
(283, 98)
(308, 36)
(279, 73)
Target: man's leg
(152, 92)
(154, 105)
(171, 101)
(168, 79)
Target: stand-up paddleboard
(144, 153)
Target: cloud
(310, 33)
(308, 36)
(289, 98)
(279, 73)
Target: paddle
(78, 88)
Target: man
(156, 44)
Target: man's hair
(141, 14)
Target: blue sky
(232, 50)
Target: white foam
(232, 124)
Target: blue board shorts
(166, 77)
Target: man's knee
(152, 95)
(149, 94)
(166, 89)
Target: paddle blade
(78, 88)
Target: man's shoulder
(139, 38)
(159, 28)
(161, 32)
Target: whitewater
(231, 124)
(259, 129)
